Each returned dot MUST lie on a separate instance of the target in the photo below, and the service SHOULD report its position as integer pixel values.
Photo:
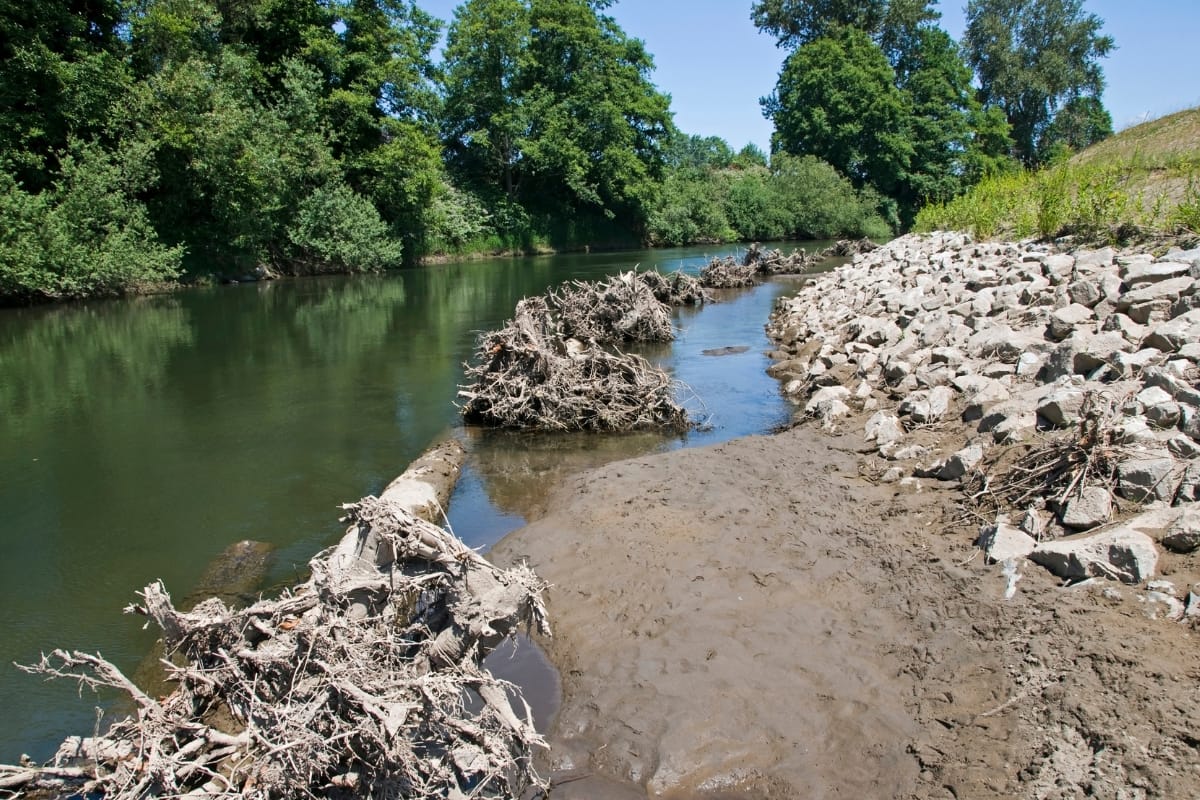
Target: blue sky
(715, 64)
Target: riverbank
(779, 616)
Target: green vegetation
(148, 141)
(1143, 182)
(878, 90)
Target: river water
(139, 438)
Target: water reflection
(140, 438)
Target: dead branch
(360, 680)
(528, 375)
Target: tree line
(146, 140)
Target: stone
(1183, 447)
(828, 403)
(1062, 406)
(1146, 477)
(1159, 408)
(1134, 430)
(1184, 534)
(928, 405)
(874, 331)
(1131, 364)
(1090, 508)
(1085, 293)
(892, 475)
(1016, 427)
(1002, 541)
(1171, 336)
(883, 429)
(1150, 312)
(1189, 485)
(1169, 290)
(1121, 553)
(961, 463)
(1090, 260)
(1140, 272)
(1058, 268)
(1081, 353)
(981, 390)
(1064, 321)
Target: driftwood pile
(728, 273)
(621, 309)
(531, 375)
(364, 681)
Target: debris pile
(623, 308)
(1058, 388)
(365, 681)
(530, 375)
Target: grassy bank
(1142, 183)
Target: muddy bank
(756, 619)
(807, 615)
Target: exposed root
(528, 375)
(726, 273)
(363, 682)
(623, 308)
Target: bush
(337, 230)
(87, 235)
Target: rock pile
(1059, 389)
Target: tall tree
(836, 99)
(1033, 58)
(483, 119)
(890, 23)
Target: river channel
(139, 438)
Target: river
(139, 438)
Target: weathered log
(354, 681)
(424, 488)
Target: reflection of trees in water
(521, 470)
(55, 360)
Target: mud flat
(808, 615)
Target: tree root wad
(547, 368)
(366, 681)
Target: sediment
(808, 614)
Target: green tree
(890, 23)
(1081, 122)
(836, 99)
(1032, 59)
(597, 124)
(483, 121)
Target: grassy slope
(1142, 183)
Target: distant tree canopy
(878, 90)
(1038, 60)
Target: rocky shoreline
(1058, 389)
(806, 614)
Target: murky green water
(140, 438)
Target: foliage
(1109, 193)
(837, 99)
(85, 235)
(338, 230)
(889, 23)
(1035, 59)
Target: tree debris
(365, 681)
(529, 375)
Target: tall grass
(1128, 190)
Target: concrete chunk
(1122, 554)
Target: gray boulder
(1146, 477)
(1092, 507)
(957, 466)
(1159, 408)
(928, 405)
(1002, 541)
(1062, 406)
(1140, 272)
(1085, 293)
(1122, 554)
(1064, 321)
(1184, 534)
(1171, 336)
(883, 429)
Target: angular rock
(928, 405)
(1062, 406)
(828, 403)
(1146, 477)
(883, 429)
(1169, 290)
(1184, 534)
(1131, 364)
(1183, 447)
(1085, 293)
(1090, 260)
(1171, 336)
(1091, 508)
(1002, 541)
(1064, 321)
(1137, 273)
(1122, 554)
(961, 463)
(1159, 408)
